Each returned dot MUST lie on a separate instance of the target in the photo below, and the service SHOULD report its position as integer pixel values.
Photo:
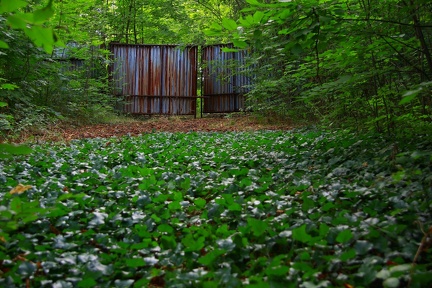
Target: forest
(322, 179)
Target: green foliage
(286, 209)
(31, 23)
(339, 61)
(69, 79)
(70, 84)
(7, 150)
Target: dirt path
(160, 124)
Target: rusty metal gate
(224, 81)
(155, 79)
(162, 79)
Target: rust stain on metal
(162, 79)
(223, 83)
(155, 79)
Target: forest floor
(133, 127)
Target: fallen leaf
(20, 188)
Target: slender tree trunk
(134, 22)
(128, 20)
(419, 33)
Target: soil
(219, 123)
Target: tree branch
(384, 21)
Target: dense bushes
(39, 89)
(344, 63)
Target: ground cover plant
(300, 208)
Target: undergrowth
(304, 208)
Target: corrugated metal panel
(155, 79)
(224, 83)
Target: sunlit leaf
(258, 15)
(254, 2)
(43, 14)
(19, 20)
(240, 44)
(8, 86)
(42, 37)
(11, 5)
(229, 24)
(227, 50)
(3, 44)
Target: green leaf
(191, 244)
(327, 206)
(239, 43)
(391, 282)
(228, 50)
(210, 257)
(16, 205)
(156, 218)
(11, 5)
(277, 270)
(87, 283)
(216, 27)
(323, 229)
(254, 2)
(168, 242)
(9, 86)
(301, 235)
(8, 150)
(71, 196)
(344, 236)
(42, 15)
(19, 21)
(258, 15)
(344, 79)
(175, 205)
(135, 262)
(229, 24)
(3, 44)
(200, 203)
(212, 33)
(400, 269)
(324, 19)
(422, 279)
(350, 254)
(307, 203)
(297, 49)
(235, 207)
(247, 22)
(186, 184)
(42, 37)
(3, 104)
(165, 228)
(409, 96)
(258, 227)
